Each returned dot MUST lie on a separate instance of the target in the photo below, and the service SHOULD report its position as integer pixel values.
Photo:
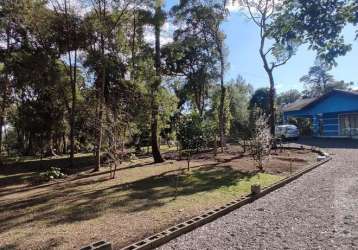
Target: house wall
(325, 113)
(330, 124)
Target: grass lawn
(144, 199)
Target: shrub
(260, 143)
(52, 173)
(194, 134)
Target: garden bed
(144, 199)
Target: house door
(348, 124)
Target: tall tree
(106, 21)
(288, 96)
(317, 23)
(71, 37)
(239, 94)
(10, 13)
(318, 81)
(4, 78)
(260, 99)
(193, 59)
(204, 18)
(273, 53)
(158, 21)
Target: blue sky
(243, 43)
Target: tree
(71, 36)
(317, 23)
(192, 59)
(239, 93)
(319, 82)
(105, 24)
(204, 18)
(287, 97)
(9, 13)
(194, 134)
(32, 48)
(158, 21)
(262, 13)
(260, 143)
(261, 99)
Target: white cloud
(77, 6)
(166, 34)
(240, 6)
(233, 6)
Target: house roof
(306, 102)
(299, 104)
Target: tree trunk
(50, 149)
(222, 100)
(64, 144)
(99, 124)
(73, 81)
(272, 104)
(29, 150)
(154, 105)
(4, 93)
(100, 90)
(1, 135)
(154, 134)
(272, 82)
(73, 111)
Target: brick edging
(167, 235)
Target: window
(348, 124)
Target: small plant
(194, 134)
(255, 189)
(132, 157)
(51, 174)
(187, 154)
(260, 144)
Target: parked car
(287, 132)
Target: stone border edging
(165, 236)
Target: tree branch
(282, 63)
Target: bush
(194, 133)
(52, 173)
(260, 144)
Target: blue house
(334, 114)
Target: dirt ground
(144, 198)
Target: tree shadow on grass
(8, 247)
(81, 162)
(19, 173)
(22, 173)
(141, 195)
(152, 192)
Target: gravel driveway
(317, 211)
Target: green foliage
(124, 86)
(317, 23)
(51, 174)
(318, 81)
(195, 133)
(238, 94)
(260, 99)
(260, 143)
(213, 113)
(195, 52)
(289, 96)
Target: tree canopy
(97, 76)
